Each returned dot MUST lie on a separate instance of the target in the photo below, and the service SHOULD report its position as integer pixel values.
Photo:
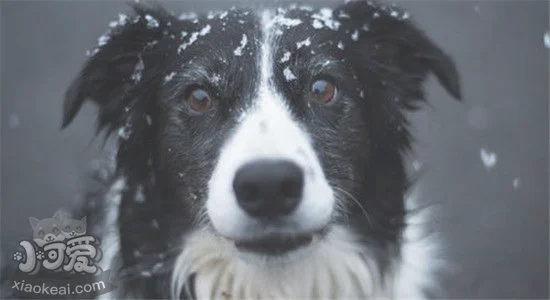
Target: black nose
(269, 188)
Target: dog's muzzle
(268, 193)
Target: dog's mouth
(274, 244)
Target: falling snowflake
(477, 10)
(489, 159)
(13, 121)
(516, 183)
(416, 165)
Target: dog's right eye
(199, 100)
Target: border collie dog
(260, 153)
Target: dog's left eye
(322, 92)
(199, 100)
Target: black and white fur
(168, 215)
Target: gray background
(496, 234)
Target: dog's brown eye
(322, 92)
(199, 100)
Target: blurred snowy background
(485, 160)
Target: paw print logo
(40, 255)
(17, 256)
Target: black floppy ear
(419, 53)
(395, 48)
(115, 67)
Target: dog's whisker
(352, 198)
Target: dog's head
(266, 129)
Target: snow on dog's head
(266, 146)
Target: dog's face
(266, 129)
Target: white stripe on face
(268, 131)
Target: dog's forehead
(292, 29)
(218, 30)
(280, 23)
